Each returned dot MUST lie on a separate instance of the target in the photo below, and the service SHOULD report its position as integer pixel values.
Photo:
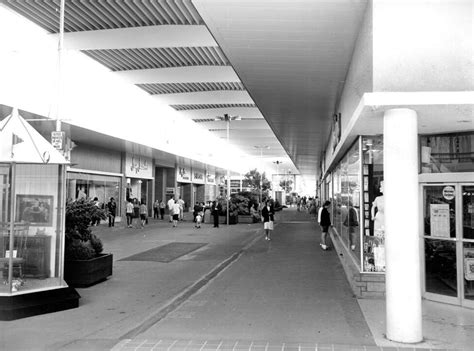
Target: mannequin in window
(378, 218)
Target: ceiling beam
(163, 36)
(206, 97)
(190, 74)
(243, 112)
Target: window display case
(32, 200)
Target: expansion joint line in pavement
(187, 293)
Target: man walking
(170, 204)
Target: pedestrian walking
(111, 211)
(129, 213)
(156, 209)
(136, 212)
(268, 213)
(170, 205)
(175, 210)
(162, 207)
(181, 211)
(324, 220)
(143, 214)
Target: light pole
(277, 162)
(261, 148)
(227, 118)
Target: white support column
(403, 287)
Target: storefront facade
(446, 215)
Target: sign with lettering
(58, 140)
(198, 177)
(183, 174)
(138, 167)
(210, 178)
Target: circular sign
(448, 193)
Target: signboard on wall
(183, 174)
(198, 177)
(211, 178)
(138, 166)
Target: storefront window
(373, 205)
(346, 200)
(85, 185)
(31, 223)
(447, 153)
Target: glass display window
(346, 200)
(89, 186)
(31, 220)
(447, 153)
(372, 205)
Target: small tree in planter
(83, 249)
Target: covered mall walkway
(235, 291)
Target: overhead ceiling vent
(208, 106)
(177, 88)
(147, 58)
(95, 15)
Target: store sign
(183, 175)
(210, 178)
(58, 140)
(448, 193)
(138, 167)
(198, 177)
(169, 191)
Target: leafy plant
(81, 243)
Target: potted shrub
(84, 262)
(233, 213)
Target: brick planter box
(84, 273)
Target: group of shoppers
(136, 211)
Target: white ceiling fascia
(206, 97)
(163, 36)
(189, 74)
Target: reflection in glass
(468, 212)
(440, 267)
(468, 263)
(447, 153)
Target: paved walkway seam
(187, 293)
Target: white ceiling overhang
(162, 36)
(207, 97)
(199, 74)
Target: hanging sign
(439, 220)
(58, 140)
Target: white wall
(423, 45)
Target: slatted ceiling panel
(145, 58)
(176, 88)
(86, 15)
(208, 106)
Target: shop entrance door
(448, 242)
